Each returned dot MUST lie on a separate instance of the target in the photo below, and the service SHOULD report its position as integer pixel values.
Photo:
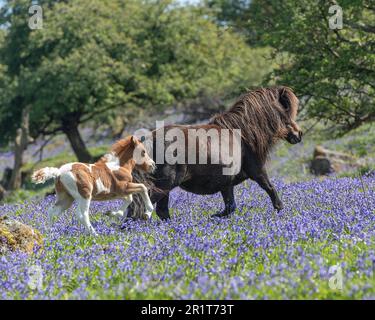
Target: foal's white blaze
(100, 187)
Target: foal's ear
(133, 140)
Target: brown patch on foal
(98, 182)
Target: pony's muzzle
(294, 138)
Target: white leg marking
(148, 203)
(120, 213)
(69, 182)
(83, 207)
(127, 201)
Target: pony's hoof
(221, 214)
(279, 207)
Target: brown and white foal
(109, 178)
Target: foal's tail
(42, 175)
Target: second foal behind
(107, 179)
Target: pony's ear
(284, 98)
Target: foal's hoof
(108, 213)
(114, 214)
(146, 215)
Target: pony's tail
(137, 207)
(42, 175)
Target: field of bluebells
(320, 246)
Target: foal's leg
(229, 201)
(83, 211)
(127, 201)
(142, 190)
(120, 213)
(63, 202)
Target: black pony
(264, 116)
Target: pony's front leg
(229, 201)
(264, 182)
(142, 190)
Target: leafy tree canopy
(332, 69)
(101, 56)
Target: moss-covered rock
(15, 235)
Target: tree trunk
(70, 128)
(2, 192)
(20, 144)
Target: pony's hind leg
(229, 201)
(162, 209)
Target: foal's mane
(121, 145)
(261, 116)
(116, 149)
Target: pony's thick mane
(261, 117)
